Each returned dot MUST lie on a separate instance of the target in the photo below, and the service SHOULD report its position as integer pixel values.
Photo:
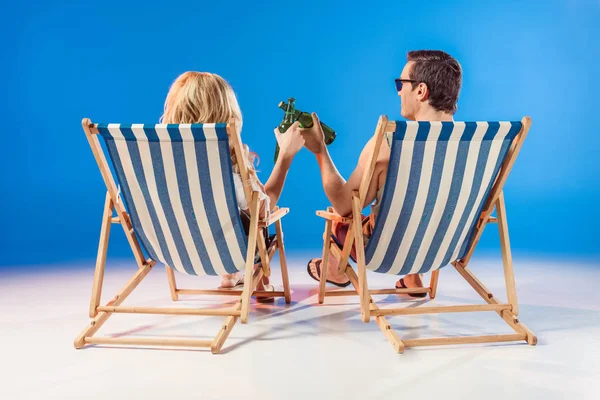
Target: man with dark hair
(428, 88)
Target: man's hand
(314, 138)
(291, 142)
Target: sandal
(266, 299)
(403, 286)
(236, 279)
(318, 278)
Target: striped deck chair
(178, 204)
(443, 182)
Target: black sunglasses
(399, 82)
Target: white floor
(302, 351)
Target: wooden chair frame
(252, 275)
(507, 311)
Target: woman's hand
(290, 142)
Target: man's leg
(333, 275)
(340, 231)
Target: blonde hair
(203, 97)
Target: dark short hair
(441, 73)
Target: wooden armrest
(334, 217)
(274, 217)
(490, 219)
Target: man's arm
(337, 189)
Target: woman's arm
(290, 144)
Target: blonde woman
(203, 97)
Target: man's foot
(229, 281)
(411, 281)
(334, 277)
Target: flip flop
(235, 284)
(266, 299)
(318, 268)
(403, 286)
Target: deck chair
(175, 199)
(443, 182)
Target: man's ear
(422, 92)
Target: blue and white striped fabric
(439, 178)
(177, 185)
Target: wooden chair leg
(363, 289)
(283, 263)
(509, 275)
(101, 258)
(325, 260)
(433, 283)
(264, 257)
(249, 272)
(347, 249)
(224, 332)
(486, 295)
(381, 321)
(172, 283)
(102, 316)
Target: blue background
(114, 61)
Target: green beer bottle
(292, 115)
(288, 120)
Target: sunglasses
(399, 82)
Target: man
(428, 88)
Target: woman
(203, 97)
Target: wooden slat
(224, 332)
(274, 217)
(236, 142)
(464, 339)
(170, 311)
(345, 253)
(335, 217)
(433, 283)
(149, 341)
(507, 262)
(249, 269)
(363, 291)
(390, 126)
(283, 263)
(336, 293)
(229, 292)
(370, 168)
(101, 257)
(172, 283)
(264, 257)
(325, 260)
(441, 309)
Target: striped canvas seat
(177, 183)
(439, 178)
